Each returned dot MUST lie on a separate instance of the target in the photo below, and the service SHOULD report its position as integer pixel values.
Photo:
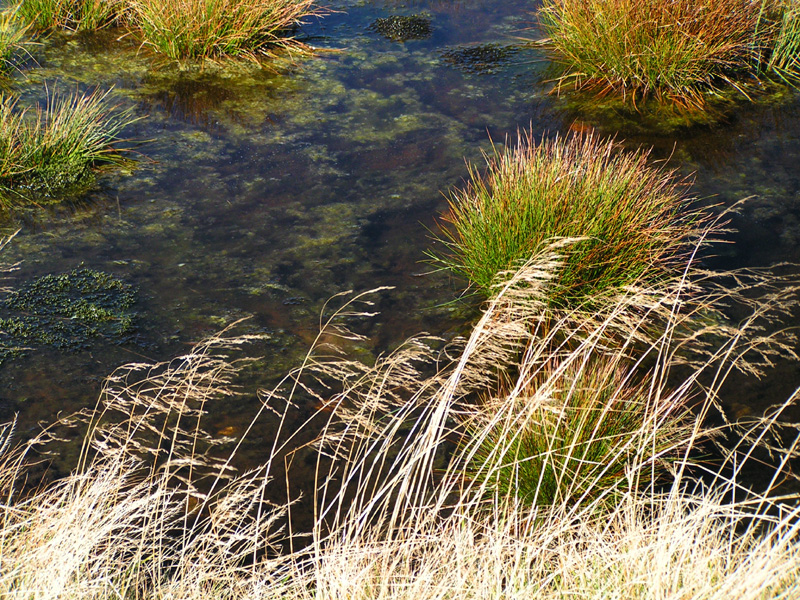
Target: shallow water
(261, 193)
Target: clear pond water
(263, 192)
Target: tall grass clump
(76, 15)
(629, 218)
(154, 507)
(785, 56)
(192, 29)
(12, 37)
(574, 433)
(180, 29)
(675, 51)
(48, 149)
(419, 519)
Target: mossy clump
(484, 58)
(401, 28)
(66, 311)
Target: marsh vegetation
(558, 485)
(566, 431)
(627, 219)
(46, 150)
(180, 29)
(679, 52)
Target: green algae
(66, 311)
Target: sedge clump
(627, 219)
(677, 51)
(53, 148)
(180, 29)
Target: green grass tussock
(76, 15)
(46, 150)
(629, 218)
(188, 29)
(12, 37)
(573, 434)
(675, 51)
(180, 29)
(785, 56)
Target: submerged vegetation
(47, 150)
(66, 311)
(180, 29)
(626, 218)
(675, 51)
(400, 28)
(484, 58)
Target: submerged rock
(400, 28)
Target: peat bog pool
(262, 193)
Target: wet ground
(262, 192)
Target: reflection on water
(265, 192)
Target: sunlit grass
(785, 56)
(676, 51)
(577, 427)
(631, 218)
(44, 150)
(180, 29)
(47, 15)
(187, 29)
(12, 37)
(153, 509)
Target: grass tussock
(784, 59)
(75, 15)
(574, 433)
(180, 29)
(188, 29)
(46, 150)
(154, 508)
(675, 51)
(12, 37)
(628, 218)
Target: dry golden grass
(150, 513)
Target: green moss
(66, 311)
(401, 28)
